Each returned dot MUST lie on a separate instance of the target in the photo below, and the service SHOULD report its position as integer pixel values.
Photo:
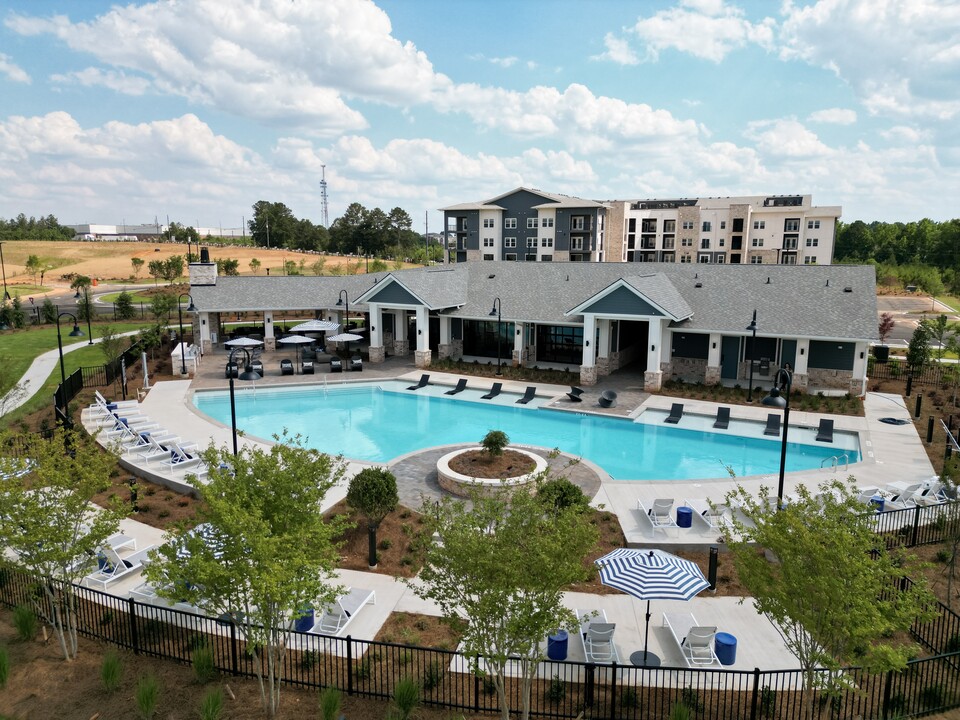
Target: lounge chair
(608, 399)
(695, 641)
(257, 367)
(336, 365)
(344, 609)
(723, 418)
(356, 364)
(286, 367)
(773, 425)
(494, 391)
(154, 450)
(676, 412)
(181, 456)
(424, 381)
(306, 367)
(575, 394)
(461, 386)
(231, 370)
(658, 515)
(115, 567)
(528, 395)
(713, 516)
(113, 404)
(825, 431)
(597, 637)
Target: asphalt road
(907, 313)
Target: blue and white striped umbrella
(651, 575)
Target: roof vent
(768, 280)
(568, 278)
(848, 289)
(490, 277)
(699, 284)
(828, 283)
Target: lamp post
(88, 310)
(495, 312)
(191, 308)
(782, 380)
(76, 332)
(752, 327)
(344, 302)
(3, 267)
(247, 374)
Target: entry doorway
(729, 357)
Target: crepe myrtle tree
(827, 582)
(267, 555)
(373, 493)
(502, 563)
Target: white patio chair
(697, 646)
(713, 516)
(337, 617)
(116, 567)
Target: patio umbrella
(296, 341)
(345, 337)
(244, 342)
(316, 326)
(651, 575)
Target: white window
(510, 223)
(723, 224)
(546, 242)
(813, 224)
(546, 258)
(722, 242)
(688, 224)
(719, 259)
(546, 222)
(531, 223)
(759, 224)
(686, 242)
(705, 243)
(684, 258)
(576, 223)
(791, 225)
(706, 226)
(510, 256)
(509, 242)
(488, 256)
(531, 242)
(703, 259)
(756, 242)
(488, 242)
(576, 243)
(813, 242)
(488, 222)
(756, 260)
(809, 259)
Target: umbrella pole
(646, 635)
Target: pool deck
(890, 453)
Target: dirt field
(110, 261)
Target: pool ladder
(835, 462)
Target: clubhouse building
(664, 320)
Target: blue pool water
(380, 422)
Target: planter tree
(268, 553)
(502, 564)
(827, 582)
(373, 493)
(494, 443)
(48, 520)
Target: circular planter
(461, 485)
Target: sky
(193, 110)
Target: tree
(33, 266)
(111, 344)
(373, 493)
(172, 268)
(494, 442)
(254, 265)
(85, 306)
(318, 265)
(150, 338)
(48, 521)
(162, 305)
(137, 264)
(885, 327)
(503, 564)
(272, 225)
(268, 554)
(18, 315)
(123, 306)
(937, 331)
(918, 351)
(826, 581)
(228, 266)
(48, 311)
(156, 270)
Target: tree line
(23, 228)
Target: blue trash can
(684, 516)
(725, 646)
(878, 502)
(557, 645)
(305, 622)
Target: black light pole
(89, 311)
(247, 374)
(752, 327)
(3, 267)
(495, 312)
(344, 301)
(782, 380)
(191, 308)
(76, 332)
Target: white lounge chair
(116, 567)
(340, 614)
(713, 516)
(694, 640)
(658, 516)
(182, 455)
(596, 634)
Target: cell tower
(323, 196)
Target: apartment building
(526, 225)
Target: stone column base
(270, 343)
(712, 375)
(517, 359)
(652, 381)
(856, 387)
(588, 375)
(444, 351)
(801, 381)
(205, 347)
(377, 354)
(421, 358)
(401, 348)
(603, 366)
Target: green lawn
(950, 301)
(26, 290)
(135, 296)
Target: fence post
(755, 700)
(887, 689)
(613, 692)
(916, 525)
(588, 684)
(930, 430)
(134, 635)
(916, 413)
(234, 650)
(476, 692)
(349, 665)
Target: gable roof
(654, 290)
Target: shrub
(111, 671)
(386, 544)
(953, 644)
(147, 695)
(211, 706)
(943, 556)
(203, 668)
(309, 659)
(406, 698)
(679, 712)
(691, 699)
(933, 696)
(494, 442)
(25, 622)
(557, 690)
(489, 688)
(629, 697)
(432, 676)
(330, 703)
(363, 670)
(4, 665)
(560, 494)
(768, 700)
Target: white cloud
(834, 116)
(618, 51)
(505, 62)
(785, 137)
(117, 81)
(12, 70)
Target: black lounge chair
(773, 425)
(306, 367)
(676, 412)
(257, 367)
(723, 418)
(424, 381)
(356, 364)
(461, 386)
(231, 370)
(825, 431)
(608, 399)
(575, 394)
(528, 395)
(494, 391)
(336, 365)
(286, 367)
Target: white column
(655, 350)
(860, 352)
(376, 325)
(518, 340)
(802, 356)
(204, 331)
(603, 345)
(268, 325)
(446, 329)
(423, 329)
(713, 355)
(589, 331)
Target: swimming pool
(380, 421)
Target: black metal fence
(919, 525)
(96, 376)
(931, 374)
(563, 690)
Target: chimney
(203, 272)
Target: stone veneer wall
(831, 378)
(615, 232)
(401, 348)
(561, 255)
(688, 369)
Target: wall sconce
(801, 351)
(861, 355)
(714, 346)
(587, 343)
(652, 348)
(419, 332)
(269, 320)
(372, 328)
(518, 331)
(203, 321)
